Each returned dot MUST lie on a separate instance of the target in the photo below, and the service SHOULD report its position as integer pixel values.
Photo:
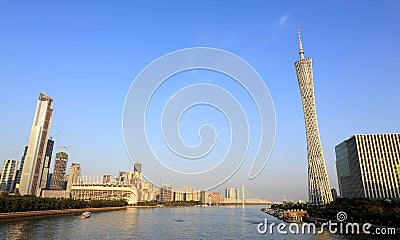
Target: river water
(157, 223)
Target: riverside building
(368, 166)
(8, 175)
(34, 162)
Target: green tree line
(32, 203)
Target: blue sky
(86, 54)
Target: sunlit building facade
(368, 166)
(31, 176)
(74, 175)
(8, 175)
(319, 191)
(230, 193)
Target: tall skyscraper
(368, 166)
(35, 156)
(74, 175)
(8, 175)
(46, 165)
(58, 180)
(19, 171)
(319, 192)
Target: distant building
(107, 178)
(230, 193)
(146, 191)
(104, 191)
(126, 177)
(31, 177)
(137, 172)
(8, 175)
(46, 165)
(58, 181)
(166, 194)
(368, 166)
(74, 175)
(179, 196)
(205, 197)
(19, 171)
(189, 194)
(216, 197)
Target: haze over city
(85, 55)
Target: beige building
(205, 197)
(179, 196)
(74, 175)
(368, 166)
(31, 176)
(230, 193)
(104, 191)
(146, 191)
(8, 175)
(166, 194)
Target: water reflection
(159, 223)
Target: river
(157, 223)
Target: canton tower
(319, 192)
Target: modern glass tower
(368, 166)
(32, 171)
(319, 192)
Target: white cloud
(283, 20)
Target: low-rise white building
(104, 191)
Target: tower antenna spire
(301, 52)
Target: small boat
(85, 215)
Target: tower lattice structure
(319, 192)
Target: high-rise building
(319, 192)
(74, 175)
(35, 157)
(58, 180)
(46, 165)
(166, 194)
(8, 175)
(19, 171)
(230, 193)
(137, 172)
(368, 166)
(205, 197)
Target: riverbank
(45, 213)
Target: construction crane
(64, 147)
(51, 138)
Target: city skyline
(88, 63)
